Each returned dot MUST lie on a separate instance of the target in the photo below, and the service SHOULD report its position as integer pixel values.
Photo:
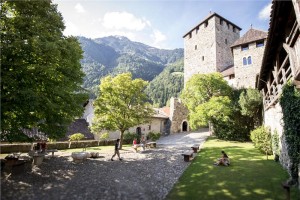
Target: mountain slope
(114, 55)
(167, 84)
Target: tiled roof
(228, 71)
(79, 126)
(250, 36)
(210, 16)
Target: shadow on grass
(249, 176)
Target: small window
(245, 47)
(205, 24)
(249, 60)
(190, 35)
(260, 44)
(225, 41)
(195, 47)
(231, 76)
(221, 21)
(149, 127)
(244, 61)
(197, 29)
(202, 58)
(234, 29)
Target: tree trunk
(121, 138)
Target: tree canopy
(121, 104)
(233, 113)
(41, 74)
(201, 87)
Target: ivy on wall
(290, 103)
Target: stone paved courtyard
(147, 175)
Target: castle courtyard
(145, 175)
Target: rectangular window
(202, 58)
(197, 29)
(221, 21)
(245, 47)
(260, 44)
(195, 47)
(190, 35)
(205, 24)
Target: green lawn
(250, 175)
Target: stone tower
(248, 52)
(178, 116)
(207, 46)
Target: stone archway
(184, 126)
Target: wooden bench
(187, 156)
(195, 148)
(52, 151)
(151, 144)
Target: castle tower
(207, 46)
(248, 52)
(178, 116)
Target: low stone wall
(25, 147)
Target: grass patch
(250, 175)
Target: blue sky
(158, 23)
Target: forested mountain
(167, 84)
(116, 54)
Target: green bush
(154, 136)
(76, 137)
(104, 136)
(275, 143)
(128, 137)
(261, 137)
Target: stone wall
(273, 119)
(207, 49)
(245, 75)
(178, 115)
(226, 35)
(200, 50)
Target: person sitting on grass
(224, 160)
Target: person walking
(117, 147)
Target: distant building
(166, 120)
(207, 46)
(247, 55)
(214, 45)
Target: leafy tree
(121, 104)
(41, 74)
(251, 105)
(201, 87)
(261, 137)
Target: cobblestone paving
(147, 175)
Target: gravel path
(147, 175)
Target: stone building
(166, 120)
(281, 62)
(247, 55)
(207, 46)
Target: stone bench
(195, 148)
(51, 151)
(187, 156)
(151, 144)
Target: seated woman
(224, 160)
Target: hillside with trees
(116, 54)
(167, 84)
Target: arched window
(244, 61)
(249, 60)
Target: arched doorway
(184, 126)
(138, 133)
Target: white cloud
(71, 29)
(158, 37)
(123, 20)
(264, 14)
(79, 8)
